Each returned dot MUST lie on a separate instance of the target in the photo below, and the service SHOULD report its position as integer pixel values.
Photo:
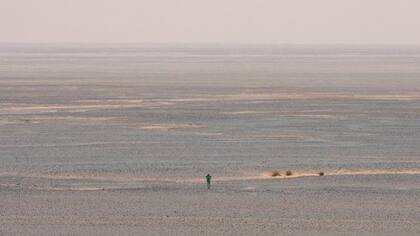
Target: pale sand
(56, 108)
(168, 127)
(279, 114)
(23, 109)
(39, 119)
(306, 95)
(267, 175)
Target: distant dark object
(321, 173)
(275, 174)
(208, 179)
(288, 173)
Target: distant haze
(211, 21)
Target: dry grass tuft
(289, 173)
(321, 173)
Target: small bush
(321, 173)
(275, 174)
(289, 173)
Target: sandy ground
(119, 143)
(328, 205)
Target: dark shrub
(275, 174)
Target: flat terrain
(108, 139)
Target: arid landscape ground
(99, 140)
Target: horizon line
(217, 44)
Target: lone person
(208, 178)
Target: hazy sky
(212, 21)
